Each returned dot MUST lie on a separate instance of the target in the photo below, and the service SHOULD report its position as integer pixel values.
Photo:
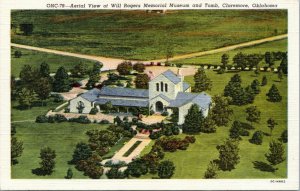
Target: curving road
(112, 63)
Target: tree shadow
(39, 172)
(262, 166)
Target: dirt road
(112, 63)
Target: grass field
(35, 58)
(62, 137)
(144, 36)
(193, 162)
(280, 45)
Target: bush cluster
(51, 119)
(171, 144)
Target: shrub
(58, 98)
(69, 174)
(60, 118)
(93, 111)
(41, 119)
(81, 119)
(51, 119)
(257, 138)
(104, 121)
(211, 171)
(246, 126)
(134, 120)
(67, 110)
(175, 130)
(190, 139)
(165, 113)
(155, 135)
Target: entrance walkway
(145, 140)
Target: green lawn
(35, 58)
(62, 137)
(193, 162)
(280, 45)
(144, 36)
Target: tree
(276, 153)
(115, 173)
(81, 152)
(18, 54)
(240, 60)
(47, 164)
(211, 171)
(228, 154)
(271, 124)
(97, 67)
(140, 67)
(264, 81)
(255, 85)
(256, 72)
(280, 75)
(26, 97)
(166, 169)
(221, 111)
(257, 138)
(208, 125)
(274, 95)
(284, 64)
(79, 70)
(253, 114)
(249, 95)
(237, 130)
(224, 60)
(43, 88)
(44, 70)
(141, 81)
(193, 120)
(284, 136)
(137, 168)
(94, 78)
(108, 106)
(16, 150)
(69, 174)
(27, 76)
(26, 28)
(253, 60)
(61, 81)
(92, 167)
(124, 68)
(234, 83)
(269, 59)
(202, 82)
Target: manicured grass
(116, 148)
(193, 162)
(62, 137)
(280, 45)
(144, 36)
(132, 148)
(35, 58)
(31, 114)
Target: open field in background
(193, 162)
(35, 58)
(145, 36)
(280, 45)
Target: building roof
(182, 98)
(171, 76)
(163, 97)
(125, 103)
(124, 92)
(185, 86)
(91, 95)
